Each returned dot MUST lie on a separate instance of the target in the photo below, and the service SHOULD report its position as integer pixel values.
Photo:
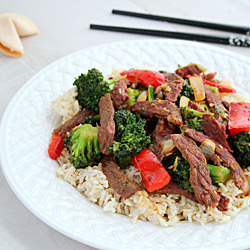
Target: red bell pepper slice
(239, 117)
(56, 145)
(153, 174)
(221, 88)
(146, 77)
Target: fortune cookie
(12, 27)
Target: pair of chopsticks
(241, 41)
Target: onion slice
(208, 148)
(198, 88)
(167, 147)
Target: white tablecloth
(64, 28)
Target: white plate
(29, 120)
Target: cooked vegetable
(150, 93)
(198, 88)
(93, 120)
(91, 87)
(239, 117)
(240, 144)
(184, 101)
(179, 170)
(133, 94)
(186, 91)
(221, 87)
(144, 77)
(219, 174)
(83, 146)
(130, 137)
(167, 147)
(143, 96)
(56, 145)
(213, 89)
(154, 175)
(193, 118)
(208, 148)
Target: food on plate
(12, 27)
(156, 146)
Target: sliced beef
(199, 173)
(119, 95)
(230, 162)
(212, 127)
(117, 179)
(162, 132)
(162, 109)
(223, 203)
(175, 89)
(216, 160)
(169, 77)
(107, 129)
(215, 103)
(191, 69)
(76, 120)
(209, 76)
(173, 188)
(225, 157)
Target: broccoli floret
(179, 170)
(240, 144)
(193, 118)
(93, 120)
(91, 87)
(133, 94)
(83, 146)
(150, 93)
(130, 137)
(219, 174)
(185, 91)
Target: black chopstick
(231, 40)
(216, 26)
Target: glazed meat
(175, 87)
(162, 109)
(118, 94)
(199, 172)
(224, 155)
(107, 128)
(118, 180)
(76, 120)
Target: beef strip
(215, 103)
(224, 155)
(162, 109)
(209, 76)
(107, 129)
(169, 77)
(118, 180)
(223, 203)
(212, 127)
(191, 69)
(173, 188)
(175, 87)
(216, 159)
(199, 173)
(162, 132)
(76, 120)
(119, 95)
(230, 162)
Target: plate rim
(4, 167)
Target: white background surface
(64, 28)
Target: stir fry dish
(179, 140)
